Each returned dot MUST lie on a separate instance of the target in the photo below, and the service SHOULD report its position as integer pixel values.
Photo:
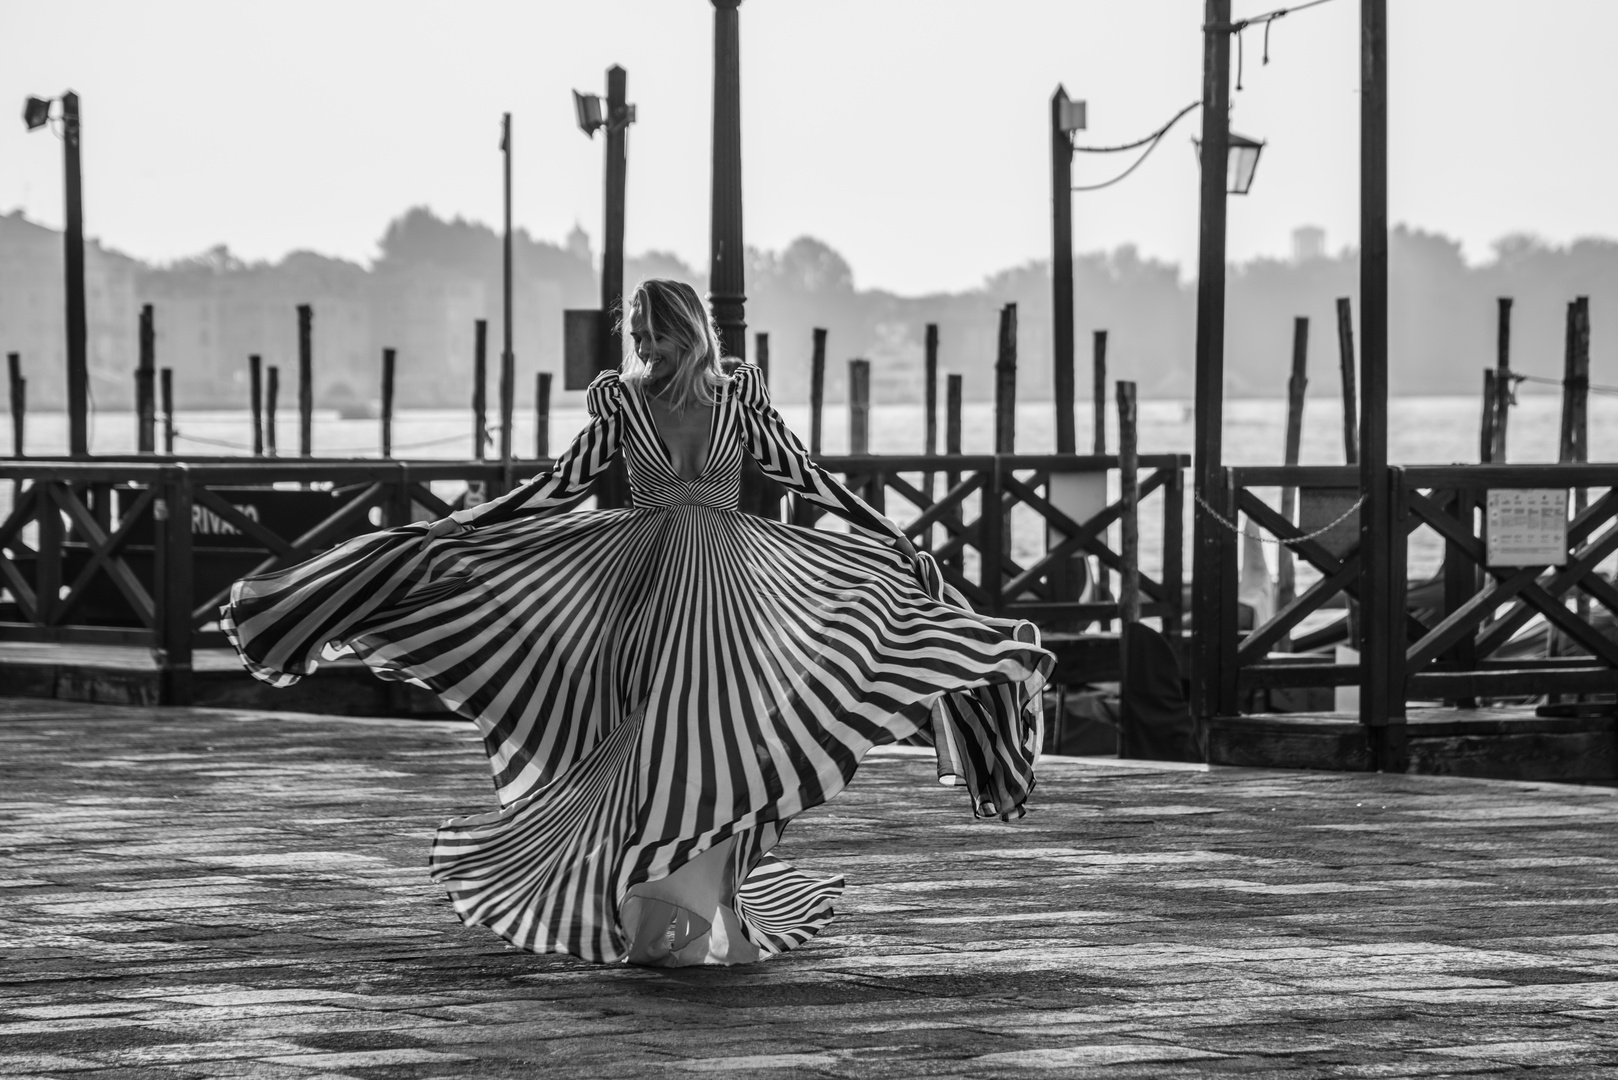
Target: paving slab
(211, 893)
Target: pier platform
(196, 893)
(1489, 743)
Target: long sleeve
(783, 458)
(570, 476)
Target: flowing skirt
(652, 685)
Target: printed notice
(1527, 527)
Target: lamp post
(1213, 687)
(612, 489)
(1382, 703)
(36, 113)
(726, 269)
(508, 361)
(615, 118)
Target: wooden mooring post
(952, 448)
(1129, 492)
(1345, 360)
(145, 388)
(930, 391)
(929, 375)
(859, 407)
(389, 360)
(18, 389)
(272, 396)
(1488, 426)
(1502, 380)
(817, 391)
(480, 388)
(1575, 441)
(306, 381)
(1098, 404)
(1005, 383)
(166, 388)
(255, 400)
(542, 415)
(1286, 584)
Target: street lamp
(36, 113)
(592, 338)
(1241, 161)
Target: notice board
(1526, 527)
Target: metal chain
(1323, 530)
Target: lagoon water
(1422, 430)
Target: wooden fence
(137, 552)
(1458, 635)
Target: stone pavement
(194, 893)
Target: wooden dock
(1496, 743)
(131, 675)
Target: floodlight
(587, 108)
(36, 112)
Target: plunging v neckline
(668, 455)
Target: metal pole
(508, 363)
(726, 281)
(1207, 573)
(78, 374)
(1062, 273)
(1381, 703)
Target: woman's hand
(446, 526)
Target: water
(1421, 430)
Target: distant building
(33, 313)
(1308, 242)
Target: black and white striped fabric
(650, 682)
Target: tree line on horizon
(432, 277)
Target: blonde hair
(672, 311)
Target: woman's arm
(570, 476)
(781, 456)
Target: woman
(661, 689)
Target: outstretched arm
(782, 457)
(570, 476)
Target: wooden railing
(142, 552)
(1458, 652)
(965, 503)
(1454, 636)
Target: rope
(1154, 136)
(1586, 384)
(333, 449)
(1151, 141)
(1323, 530)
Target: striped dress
(660, 689)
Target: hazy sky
(909, 134)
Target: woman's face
(662, 357)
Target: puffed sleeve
(782, 457)
(569, 477)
